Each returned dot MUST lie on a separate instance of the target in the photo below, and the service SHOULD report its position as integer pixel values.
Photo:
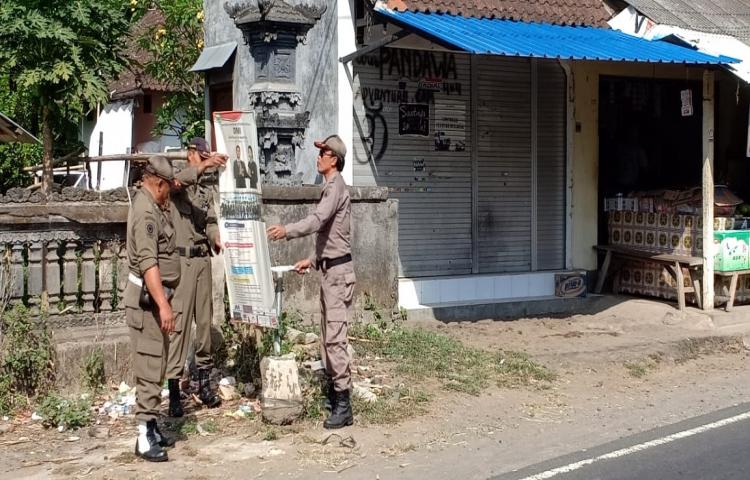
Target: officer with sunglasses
(331, 220)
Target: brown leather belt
(327, 263)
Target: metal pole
(276, 336)
(99, 165)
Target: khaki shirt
(331, 220)
(197, 220)
(151, 239)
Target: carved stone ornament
(274, 11)
(273, 30)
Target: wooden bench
(732, 285)
(674, 264)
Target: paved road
(711, 447)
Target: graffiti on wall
(411, 64)
(375, 124)
(412, 83)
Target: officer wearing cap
(197, 236)
(331, 220)
(154, 272)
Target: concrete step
(507, 309)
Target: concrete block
(281, 397)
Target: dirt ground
(633, 366)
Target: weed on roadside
(391, 409)
(271, 434)
(70, 414)
(194, 427)
(640, 368)
(312, 399)
(93, 369)
(693, 348)
(26, 359)
(518, 369)
(188, 427)
(420, 354)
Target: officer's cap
(337, 146)
(159, 166)
(200, 145)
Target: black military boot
(330, 398)
(175, 404)
(147, 445)
(206, 395)
(163, 440)
(342, 412)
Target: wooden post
(708, 190)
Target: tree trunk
(48, 148)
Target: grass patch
(188, 427)
(641, 368)
(636, 369)
(93, 370)
(516, 369)
(694, 348)
(401, 404)
(312, 398)
(271, 435)
(209, 426)
(62, 412)
(421, 354)
(192, 427)
(27, 359)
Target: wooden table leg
(680, 286)
(697, 287)
(603, 272)
(732, 292)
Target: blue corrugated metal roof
(493, 36)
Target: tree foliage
(173, 46)
(60, 54)
(15, 156)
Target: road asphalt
(715, 446)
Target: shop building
(493, 148)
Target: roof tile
(563, 12)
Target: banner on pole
(246, 259)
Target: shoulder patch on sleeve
(150, 229)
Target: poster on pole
(247, 261)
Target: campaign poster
(243, 234)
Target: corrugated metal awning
(491, 36)
(214, 57)
(10, 132)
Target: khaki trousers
(194, 296)
(336, 293)
(150, 347)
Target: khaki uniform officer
(197, 234)
(154, 271)
(333, 257)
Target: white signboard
(247, 262)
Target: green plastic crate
(731, 250)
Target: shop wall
(317, 67)
(412, 130)
(585, 148)
(479, 192)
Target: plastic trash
(228, 381)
